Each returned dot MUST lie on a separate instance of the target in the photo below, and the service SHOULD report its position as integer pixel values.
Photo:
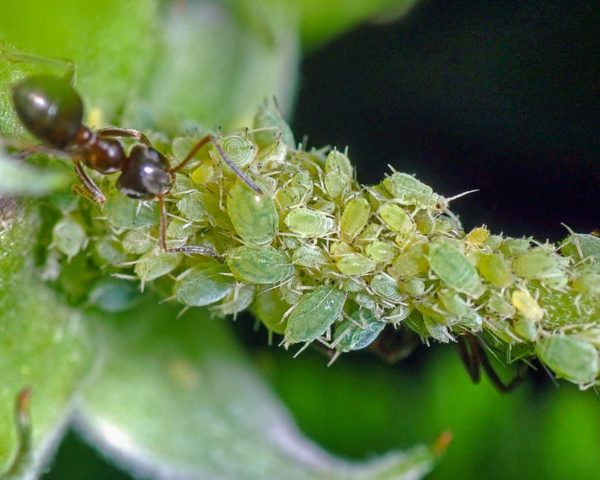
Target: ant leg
(475, 357)
(197, 249)
(211, 138)
(124, 133)
(89, 184)
(69, 65)
(470, 356)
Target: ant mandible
(52, 110)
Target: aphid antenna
(460, 195)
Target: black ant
(51, 109)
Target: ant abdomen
(50, 108)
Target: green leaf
(111, 42)
(17, 178)
(43, 348)
(219, 60)
(174, 398)
(320, 21)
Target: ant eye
(50, 108)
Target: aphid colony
(319, 257)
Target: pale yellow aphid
(355, 217)
(526, 305)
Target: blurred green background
(491, 95)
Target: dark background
(500, 96)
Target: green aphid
(514, 246)
(324, 205)
(499, 304)
(109, 252)
(304, 182)
(365, 300)
(180, 230)
(570, 358)
(269, 307)
(407, 190)
(68, 236)
(239, 148)
(273, 155)
(307, 256)
(396, 218)
(309, 223)
(370, 233)
(139, 241)
(385, 286)
(238, 300)
(381, 252)
(259, 265)
(411, 263)
(155, 264)
(398, 314)
(454, 269)
(351, 284)
(432, 312)
(582, 246)
(355, 264)
(539, 263)
(436, 330)
(336, 184)
(358, 332)
(192, 208)
(454, 304)
(203, 284)
(270, 127)
(587, 283)
(297, 192)
(494, 268)
(127, 213)
(413, 287)
(113, 295)
(314, 314)
(355, 217)
(290, 293)
(337, 162)
(290, 243)
(254, 217)
(526, 328)
(182, 186)
(216, 213)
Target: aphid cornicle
(52, 111)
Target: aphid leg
(474, 357)
(22, 420)
(69, 65)
(162, 236)
(209, 138)
(88, 183)
(124, 133)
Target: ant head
(50, 108)
(146, 174)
